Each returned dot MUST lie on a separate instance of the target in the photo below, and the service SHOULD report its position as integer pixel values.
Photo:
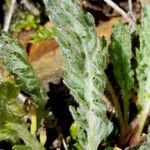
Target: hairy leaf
(121, 54)
(9, 107)
(22, 131)
(13, 131)
(143, 70)
(143, 55)
(86, 57)
(14, 58)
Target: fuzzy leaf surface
(143, 57)
(121, 54)
(86, 57)
(14, 59)
(22, 131)
(143, 71)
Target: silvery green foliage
(86, 57)
(121, 54)
(14, 59)
(143, 59)
(17, 74)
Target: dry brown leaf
(45, 55)
(104, 29)
(47, 61)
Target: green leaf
(8, 89)
(6, 134)
(21, 147)
(12, 126)
(121, 55)
(74, 130)
(43, 33)
(77, 146)
(109, 148)
(142, 56)
(22, 132)
(143, 71)
(25, 20)
(15, 60)
(10, 109)
(86, 57)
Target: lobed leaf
(12, 126)
(143, 72)
(86, 57)
(14, 59)
(22, 131)
(121, 55)
(142, 56)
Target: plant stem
(64, 144)
(43, 137)
(120, 11)
(130, 5)
(126, 108)
(33, 120)
(141, 119)
(123, 125)
(8, 15)
(21, 98)
(141, 2)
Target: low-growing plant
(18, 76)
(87, 58)
(87, 73)
(43, 33)
(25, 21)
